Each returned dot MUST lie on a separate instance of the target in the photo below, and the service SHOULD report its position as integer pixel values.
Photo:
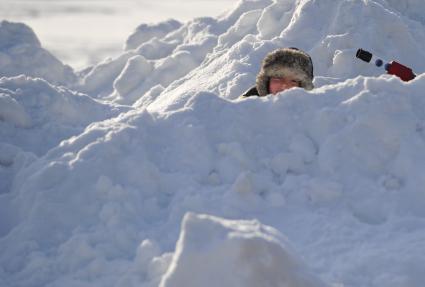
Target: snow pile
(36, 116)
(330, 33)
(345, 155)
(238, 253)
(21, 53)
(95, 192)
(170, 52)
(146, 32)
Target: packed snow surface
(149, 170)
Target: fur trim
(283, 63)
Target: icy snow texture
(93, 193)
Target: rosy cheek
(273, 87)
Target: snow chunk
(303, 146)
(212, 251)
(99, 80)
(36, 116)
(16, 34)
(156, 48)
(275, 18)
(145, 32)
(244, 26)
(134, 72)
(21, 53)
(139, 75)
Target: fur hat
(284, 62)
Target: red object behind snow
(401, 71)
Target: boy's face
(277, 85)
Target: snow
(21, 53)
(37, 116)
(146, 32)
(149, 170)
(82, 33)
(239, 253)
(188, 45)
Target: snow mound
(15, 34)
(170, 52)
(93, 193)
(237, 253)
(146, 32)
(351, 150)
(21, 53)
(330, 33)
(35, 116)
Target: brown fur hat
(284, 62)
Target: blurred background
(83, 32)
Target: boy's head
(283, 69)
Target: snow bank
(95, 192)
(35, 116)
(21, 53)
(237, 253)
(345, 155)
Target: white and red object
(393, 68)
